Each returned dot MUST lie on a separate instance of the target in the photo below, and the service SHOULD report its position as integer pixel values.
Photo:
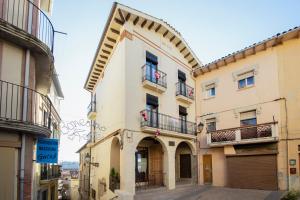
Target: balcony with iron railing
(25, 22)
(20, 109)
(154, 79)
(153, 121)
(92, 112)
(49, 172)
(266, 132)
(184, 93)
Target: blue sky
(212, 28)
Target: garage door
(252, 172)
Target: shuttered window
(211, 124)
(248, 118)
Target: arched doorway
(149, 157)
(114, 174)
(184, 162)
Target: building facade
(249, 103)
(142, 107)
(29, 94)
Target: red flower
(144, 115)
(157, 75)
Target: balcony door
(183, 119)
(151, 67)
(152, 110)
(182, 85)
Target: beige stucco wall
(121, 96)
(288, 62)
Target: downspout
(287, 145)
(24, 117)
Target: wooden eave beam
(172, 38)
(102, 56)
(166, 33)
(150, 26)
(121, 15)
(158, 27)
(105, 51)
(118, 21)
(143, 23)
(108, 46)
(136, 20)
(187, 55)
(178, 43)
(115, 31)
(194, 65)
(111, 39)
(101, 61)
(217, 66)
(182, 49)
(127, 17)
(191, 60)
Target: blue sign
(47, 150)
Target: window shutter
(245, 75)
(152, 100)
(151, 58)
(182, 110)
(207, 87)
(248, 115)
(181, 75)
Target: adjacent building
(249, 103)
(30, 95)
(142, 107)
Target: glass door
(153, 115)
(141, 165)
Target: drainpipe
(24, 117)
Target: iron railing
(22, 104)
(28, 17)
(242, 133)
(49, 171)
(184, 90)
(155, 76)
(165, 122)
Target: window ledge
(208, 98)
(245, 88)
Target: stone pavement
(196, 192)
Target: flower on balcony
(157, 75)
(144, 115)
(157, 133)
(191, 92)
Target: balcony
(184, 93)
(92, 111)
(23, 22)
(49, 172)
(24, 109)
(266, 132)
(152, 121)
(155, 80)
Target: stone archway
(149, 163)
(114, 174)
(185, 169)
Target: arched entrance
(114, 174)
(149, 157)
(184, 161)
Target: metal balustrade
(242, 134)
(165, 122)
(185, 90)
(155, 76)
(28, 17)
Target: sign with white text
(47, 150)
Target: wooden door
(185, 166)
(156, 165)
(207, 169)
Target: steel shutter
(252, 172)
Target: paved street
(189, 192)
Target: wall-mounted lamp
(88, 160)
(200, 127)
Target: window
(248, 119)
(183, 118)
(151, 67)
(246, 80)
(210, 90)
(211, 125)
(152, 110)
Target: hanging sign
(47, 150)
